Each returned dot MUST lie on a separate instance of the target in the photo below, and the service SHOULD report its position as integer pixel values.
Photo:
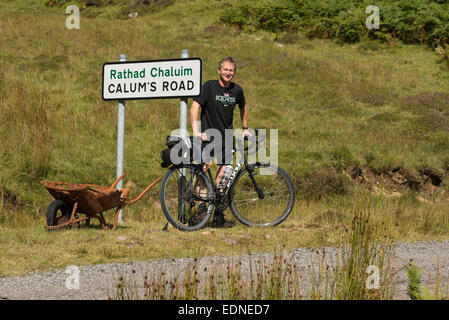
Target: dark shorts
(224, 155)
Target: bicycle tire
(179, 212)
(270, 188)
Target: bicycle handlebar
(255, 139)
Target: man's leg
(200, 188)
(226, 159)
(220, 170)
(219, 220)
(201, 191)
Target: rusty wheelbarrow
(90, 199)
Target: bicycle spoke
(245, 201)
(182, 200)
(273, 194)
(272, 208)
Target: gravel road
(96, 281)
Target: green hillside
(363, 125)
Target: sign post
(183, 105)
(120, 141)
(183, 133)
(154, 79)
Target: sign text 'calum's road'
(152, 79)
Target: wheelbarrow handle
(143, 193)
(117, 181)
(117, 210)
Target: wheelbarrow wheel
(56, 206)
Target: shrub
(443, 52)
(128, 8)
(322, 184)
(412, 21)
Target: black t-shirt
(217, 105)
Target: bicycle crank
(221, 201)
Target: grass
(311, 224)
(273, 277)
(341, 276)
(336, 106)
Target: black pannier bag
(181, 150)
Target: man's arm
(195, 120)
(244, 117)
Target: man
(217, 101)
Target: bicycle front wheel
(186, 197)
(262, 195)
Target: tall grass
(274, 277)
(27, 117)
(347, 275)
(26, 146)
(343, 275)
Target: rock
(423, 200)
(231, 241)
(393, 194)
(131, 184)
(398, 178)
(95, 239)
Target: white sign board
(152, 79)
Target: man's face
(227, 71)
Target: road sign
(159, 79)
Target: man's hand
(202, 135)
(246, 132)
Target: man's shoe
(200, 215)
(220, 222)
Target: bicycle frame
(231, 179)
(235, 171)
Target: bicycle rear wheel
(186, 197)
(269, 207)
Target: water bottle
(225, 176)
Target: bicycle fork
(250, 172)
(250, 169)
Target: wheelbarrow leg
(102, 221)
(117, 211)
(72, 216)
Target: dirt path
(96, 281)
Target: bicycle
(251, 195)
